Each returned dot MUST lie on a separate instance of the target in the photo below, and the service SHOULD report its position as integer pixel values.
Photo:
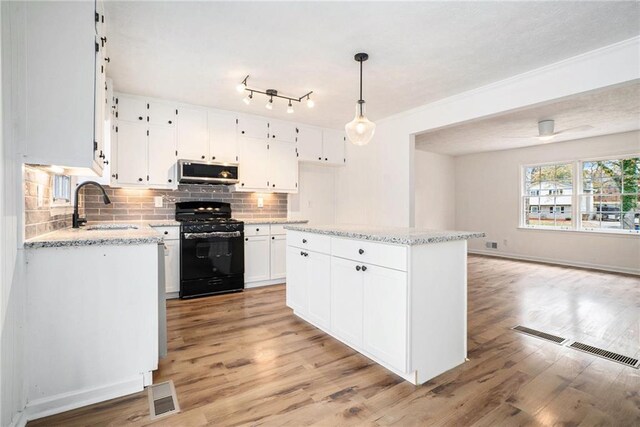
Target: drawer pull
(361, 251)
(358, 267)
(304, 240)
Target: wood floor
(244, 359)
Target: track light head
(269, 105)
(247, 99)
(290, 108)
(310, 102)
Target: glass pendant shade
(360, 130)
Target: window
(547, 189)
(61, 193)
(588, 195)
(609, 195)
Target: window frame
(577, 181)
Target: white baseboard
(264, 283)
(66, 401)
(556, 261)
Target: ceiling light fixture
(247, 99)
(272, 93)
(360, 130)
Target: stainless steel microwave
(197, 172)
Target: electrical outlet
(40, 195)
(491, 245)
(260, 202)
(158, 201)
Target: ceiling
(608, 111)
(197, 52)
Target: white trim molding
(556, 261)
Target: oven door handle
(223, 234)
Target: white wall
(377, 185)
(12, 289)
(488, 199)
(315, 200)
(434, 190)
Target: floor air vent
(615, 357)
(540, 334)
(163, 400)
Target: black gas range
(211, 249)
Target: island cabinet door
(319, 288)
(385, 315)
(346, 300)
(297, 296)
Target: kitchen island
(396, 295)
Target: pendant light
(360, 130)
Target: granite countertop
(272, 221)
(84, 236)
(399, 235)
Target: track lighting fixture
(360, 130)
(247, 99)
(272, 93)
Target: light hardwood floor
(244, 359)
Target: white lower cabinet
(346, 300)
(384, 314)
(171, 237)
(297, 280)
(319, 289)
(278, 256)
(256, 258)
(265, 255)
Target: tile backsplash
(138, 204)
(39, 216)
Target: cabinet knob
(242, 184)
(301, 253)
(242, 132)
(304, 240)
(139, 117)
(360, 251)
(213, 157)
(166, 232)
(273, 238)
(170, 122)
(273, 136)
(273, 185)
(326, 159)
(106, 162)
(170, 180)
(257, 229)
(139, 179)
(246, 239)
(364, 268)
(358, 267)
(319, 158)
(203, 157)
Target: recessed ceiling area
(607, 111)
(197, 52)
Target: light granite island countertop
(398, 235)
(274, 221)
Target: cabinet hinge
(267, 183)
(116, 101)
(296, 185)
(95, 145)
(97, 47)
(176, 153)
(102, 69)
(345, 160)
(176, 111)
(116, 129)
(147, 133)
(267, 146)
(236, 158)
(116, 114)
(147, 106)
(102, 18)
(236, 121)
(116, 175)
(147, 119)
(97, 17)
(147, 177)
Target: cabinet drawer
(169, 233)
(311, 241)
(382, 254)
(277, 229)
(256, 229)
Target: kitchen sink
(112, 227)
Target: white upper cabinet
(309, 144)
(283, 166)
(162, 155)
(282, 131)
(223, 144)
(162, 114)
(131, 109)
(193, 134)
(131, 153)
(333, 147)
(253, 169)
(58, 55)
(253, 127)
